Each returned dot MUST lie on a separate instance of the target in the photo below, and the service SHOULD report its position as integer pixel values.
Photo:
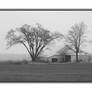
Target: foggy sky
(60, 21)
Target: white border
(46, 87)
(45, 3)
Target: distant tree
(34, 38)
(76, 37)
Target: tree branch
(26, 48)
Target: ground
(46, 73)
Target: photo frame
(61, 32)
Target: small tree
(76, 38)
(35, 39)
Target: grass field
(46, 73)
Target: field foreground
(46, 73)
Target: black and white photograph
(46, 45)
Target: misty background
(60, 21)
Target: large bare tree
(76, 37)
(34, 38)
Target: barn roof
(67, 51)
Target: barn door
(67, 58)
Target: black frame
(45, 9)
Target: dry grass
(45, 72)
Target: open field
(46, 72)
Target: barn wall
(59, 58)
(84, 58)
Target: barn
(83, 56)
(67, 55)
(59, 58)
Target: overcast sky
(60, 21)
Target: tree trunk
(77, 57)
(33, 59)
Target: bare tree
(34, 38)
(76, 37)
